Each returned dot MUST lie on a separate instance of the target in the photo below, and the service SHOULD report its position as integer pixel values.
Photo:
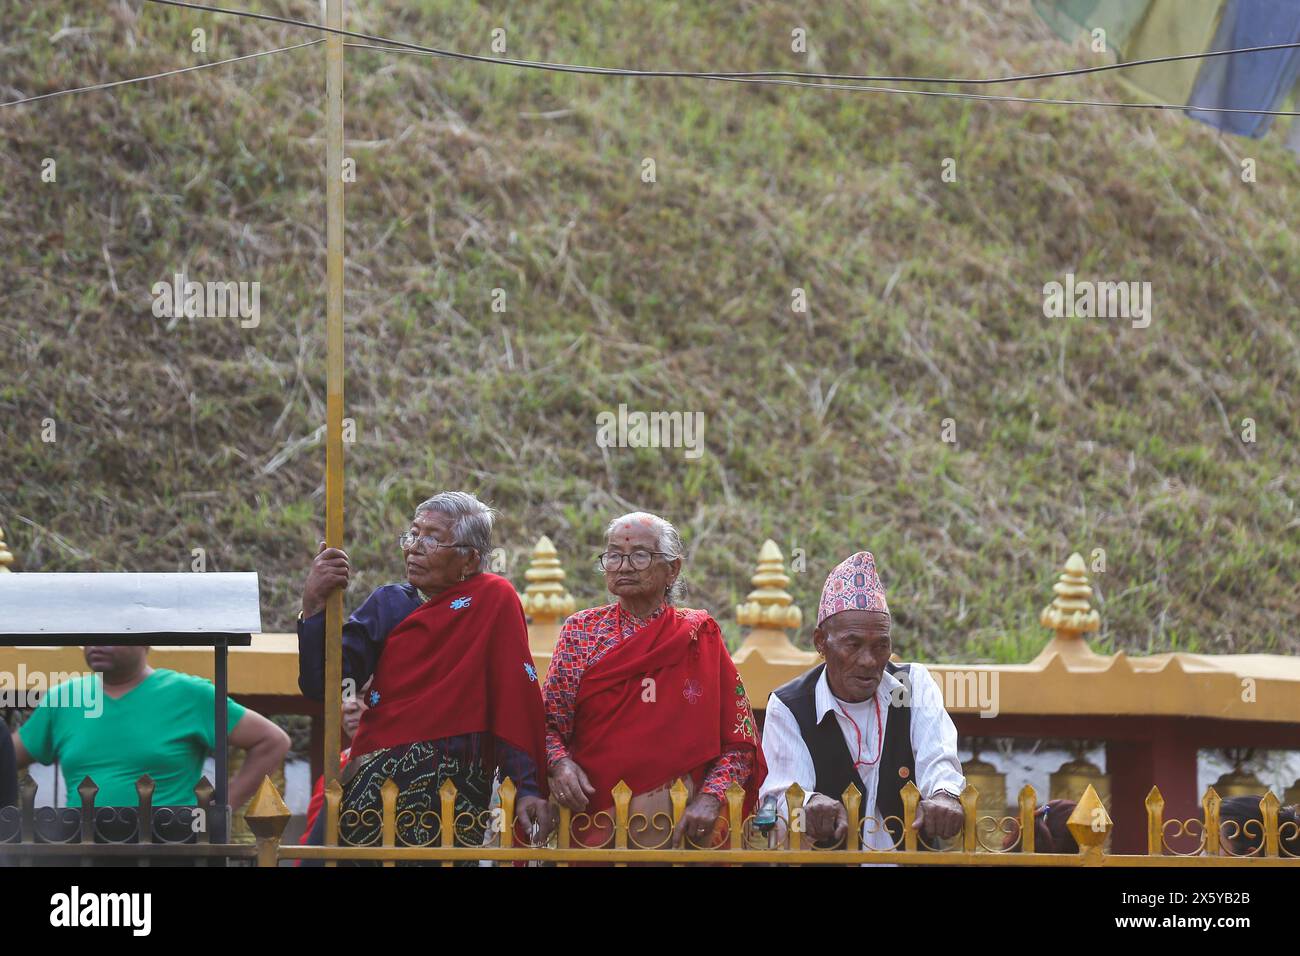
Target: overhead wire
(994, 97)
(766, 78)
(718, 74)
(94, 87)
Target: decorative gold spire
(6, 556)
(545, 598)
(1071, 613)
(769, 605)
(769, 611)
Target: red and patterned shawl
(458, 664)
(663, 704)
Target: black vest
(831, 758)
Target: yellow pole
(333, 376)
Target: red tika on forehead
(633, 524)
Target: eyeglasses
(640, 559)
(427, 542)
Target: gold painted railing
(618, 836)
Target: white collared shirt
(934, 745)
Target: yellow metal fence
(448, 836)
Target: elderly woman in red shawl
(454, 693)
(646, 692)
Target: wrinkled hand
(569, 785)
(329, 573)
(698, 820)
(939, 816)
(530, 811)
(826, 819)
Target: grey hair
(472, 519)
(667, 540)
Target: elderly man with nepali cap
(859, 718)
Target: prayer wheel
(1072, 779)
(1239, 782)
(992, 802)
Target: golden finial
(545, 600)
(1089, 824)
(769, 605)
(267, 815)
(1071, 613)
(6, 556)
(770, 612)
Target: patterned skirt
(418, 769)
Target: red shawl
(649, 734)
(458, 664)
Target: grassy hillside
(823, 429)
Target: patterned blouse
(587, 637)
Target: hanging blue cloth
(1248, 80)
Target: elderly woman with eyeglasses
(454, 693)
(646, 692)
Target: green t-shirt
(162, 727)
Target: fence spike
(333, 806)
(679, 794)
(736, 814)
(1028, 804)
(144, 789)
(794, 814)
(852, 798)
(27, 788)
(447, 814)
(622, 794)
(1155, 804)
(87, 790)
(1268, 808)
(970, 807)
(267, 815)
(1090, 824)
(911, 797)
(507, 793)
(203, 794)
(388, 798)
(1211, 804)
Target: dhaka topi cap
(854, 585)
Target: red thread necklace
(880, 733)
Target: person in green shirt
(143, 720)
